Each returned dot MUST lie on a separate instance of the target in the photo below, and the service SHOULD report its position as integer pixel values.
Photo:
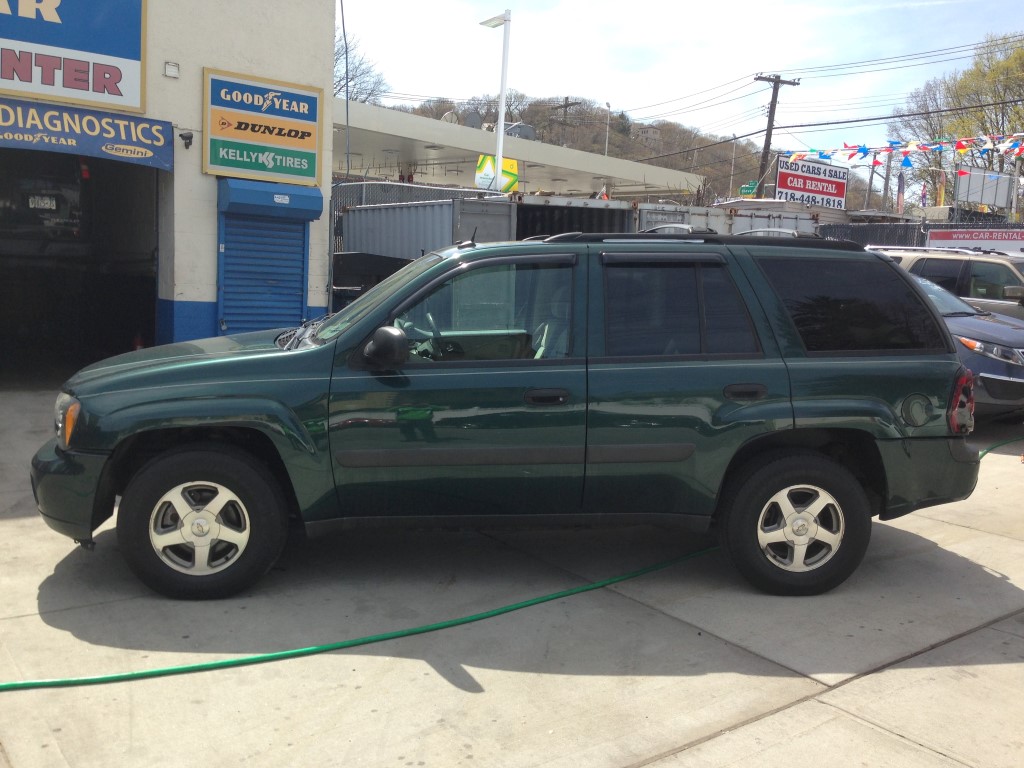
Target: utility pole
(871, 181)
(885, 189)
(564, 106)
(776, 81)
(732, 170)
(607, 126)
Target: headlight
(995, 351)
(65, 417)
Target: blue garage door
(262, 274)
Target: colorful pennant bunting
(1007, 144)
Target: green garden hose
(999, 445)
(263, 658)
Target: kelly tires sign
(811, 183)
(87, 52)
(261, 129)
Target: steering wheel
(434, 331)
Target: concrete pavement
(917, 660)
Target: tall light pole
(503, 20)
(607, 126)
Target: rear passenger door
(681, 375)
(945, 272)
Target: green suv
(781, 392)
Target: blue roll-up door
(263, 273)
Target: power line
(878, 120)
(971, 48)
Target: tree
(987, 97)
(986, 100)
(434, 108)
(922, 119)
(364, 83)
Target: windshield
(370, 300)
(944, 301)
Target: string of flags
(1011, 145)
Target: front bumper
(995, 394)
(68, 490)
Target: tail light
(960, 413)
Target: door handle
(547, 396)
(745, 391)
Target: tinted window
(944, 272)
(988, 280)
(502, 312)
(674, 309)
(840, 305)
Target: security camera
(186, 137)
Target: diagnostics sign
(74, 131)
(261, 129)
(87, 52)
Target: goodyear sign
(32, 125)
(80, 51)
(261, 129)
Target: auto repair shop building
(163, 171)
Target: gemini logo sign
(75, 131)
(261, 129)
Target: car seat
(551, 339)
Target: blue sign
(53, 128)
(281, 101)
(81, 51)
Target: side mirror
(388, 349)
(1013, 292)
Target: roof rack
(963, 249)
(701, 237)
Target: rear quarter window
(853, 305)
(674, 308)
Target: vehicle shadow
(1004, 438)
(691, 617)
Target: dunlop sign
(261, 129)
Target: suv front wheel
(796, 525)
(201, 522)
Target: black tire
(822, 542)
(179, 548)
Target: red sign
(811, 183)
(1008, 240)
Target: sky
(693, 63)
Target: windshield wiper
(960, 314)
(304, 331)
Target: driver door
(488, 414)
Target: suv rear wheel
(796, 525)
(201, 522)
